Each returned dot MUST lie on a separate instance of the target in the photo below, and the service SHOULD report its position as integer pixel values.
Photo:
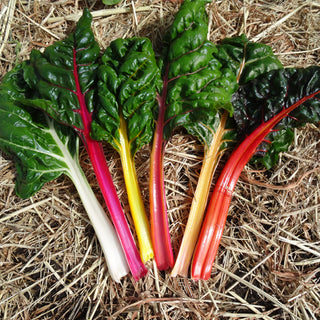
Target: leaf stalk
(158, 208)
(106, 234)
(109, 192)
(134, 195)
(199, 202)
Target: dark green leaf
(246, 59)
(39, 146)
(64, 75)
(262, 98)
(268, 151)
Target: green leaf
(236, 56)
(38, 145)
(268, 152)
(127, 83)
(264, 97)
(65, 74)
(42, 150)
(246, 59)
(195, 82)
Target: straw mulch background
(51, 265)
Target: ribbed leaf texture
(194, 82)
(260, 99)
(249, 60)
(245, 58)
(64, 75)
(127, 88)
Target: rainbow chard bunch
(123, 117)
(232, 95)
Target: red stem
(212, 229)
(109, 192)
(158, 209)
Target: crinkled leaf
(64, 75)
(246, 59)
(262, 98)
(42, 150)
(195, 82)
(127, 89)
(33, 140)
(268, 151)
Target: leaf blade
(273, 92)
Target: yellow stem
(199, 202)
(138, 212)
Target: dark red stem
(158, 209)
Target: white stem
(103, 228)
(108, 238)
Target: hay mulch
(268, 267)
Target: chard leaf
(264, 97)
(195, 86)
(127, 83)
(279, 98)
(128, 76)
(246, 59)
(194, 81)
(31, 138)
(126, 91)
(42, 150)
(238, 60)
(64, 76)
(249, 60)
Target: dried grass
(51, 265)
